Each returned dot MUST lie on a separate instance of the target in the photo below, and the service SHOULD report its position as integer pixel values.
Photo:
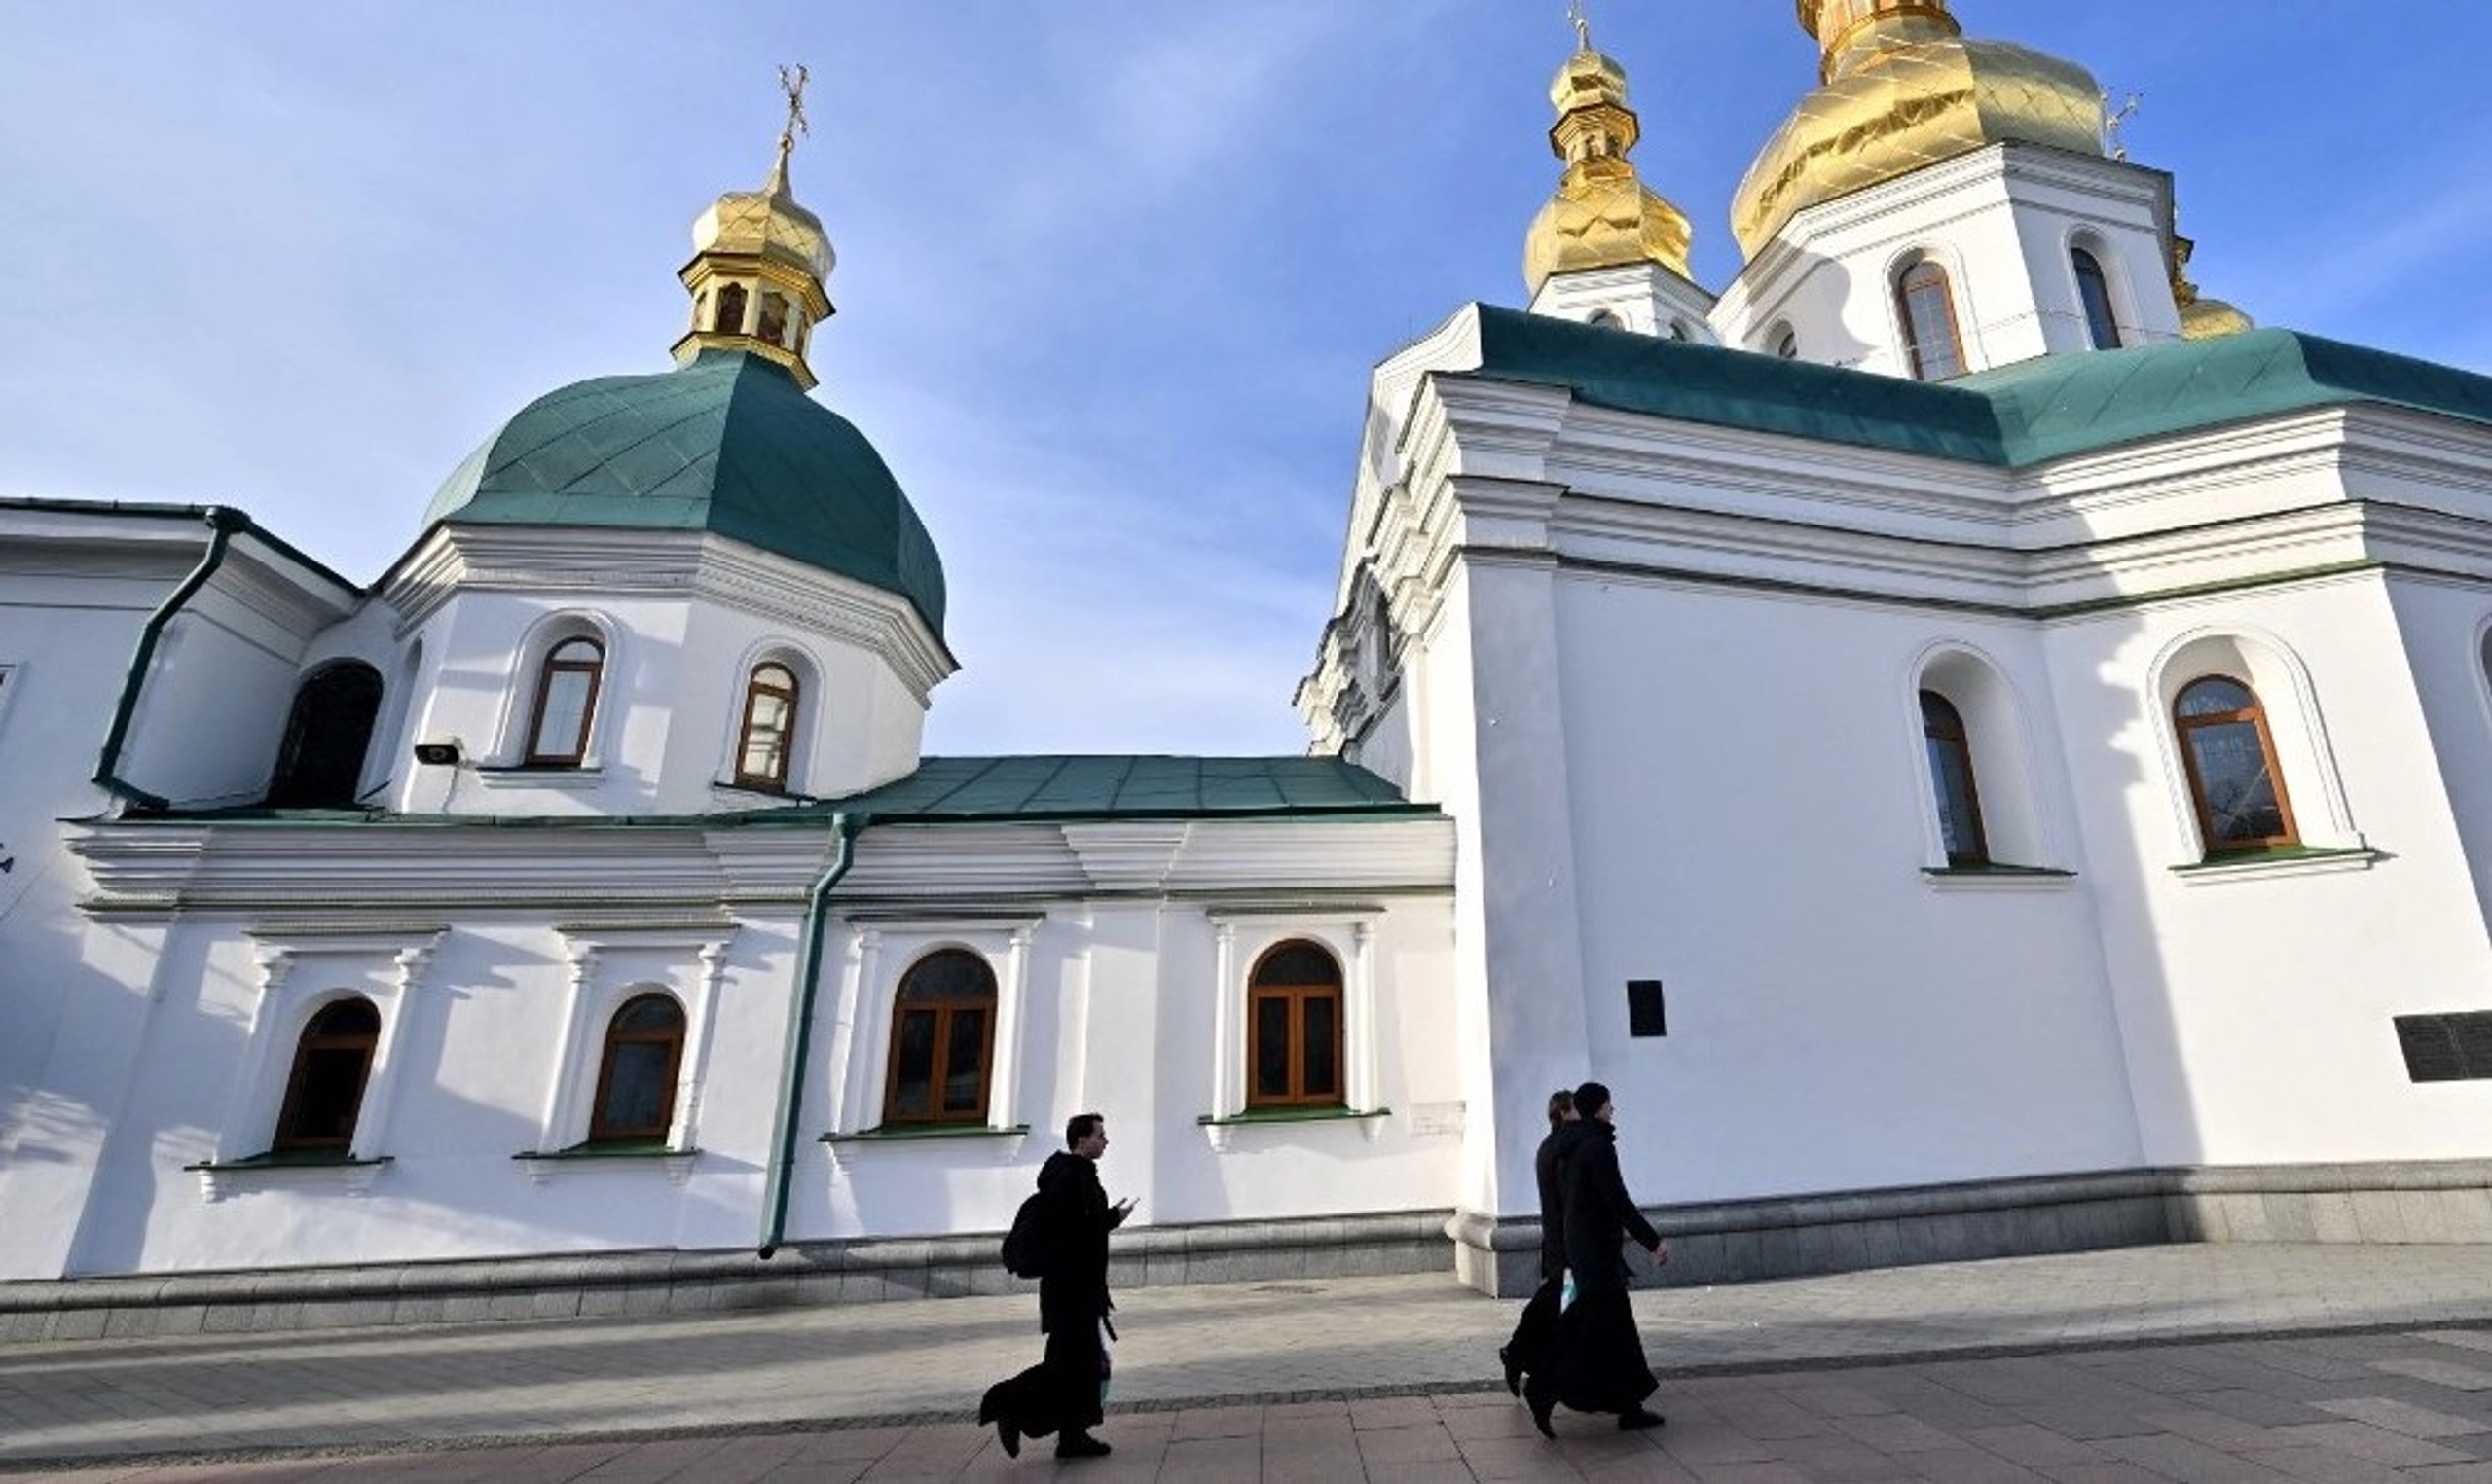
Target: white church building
(1982, 748)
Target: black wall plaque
(2446, 1048)
(1644, 1008)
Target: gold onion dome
(759, 265)
(1903, 89)
(2201, 319)
(766, 224)
(1601, 215)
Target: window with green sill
(637, 1073)
(942, 1052)
(324, 1088)
(1294, 1032)
(2230, 759)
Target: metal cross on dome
(791, 82)
(2111, 121)
(1583, 23)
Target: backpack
(1025, 1245)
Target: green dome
(727, 444)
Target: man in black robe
(1598, 1364)
(1062, 1393)
(1537, 1329)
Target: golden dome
(1601, 215)
(766, 224)
(758, 263)
(1903, 89)
(2201, 319)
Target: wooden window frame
(943, 1008)
(1933, 277)
(286, 1139)
(616, 1038)
(755, 689)
(555, 664)
(2103, 332)
(1297, 997)
(1949, 731)
(2256, 713)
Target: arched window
(566, 703)
(1605, 320)
(769, 732)
(2231, 762)
(636, 1076)
(1951, 781)
(774, 318)
(1787, 344)
(1679, 330)
(2100, 324)
(942, 1041)
(326, 737)
(1928, 309)
(1294, 1029)
(730, 320)
(324, 1093)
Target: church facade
(1981, 747)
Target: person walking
(1598, 1363)
(1062, 1393)
(1537, 1329)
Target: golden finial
(792, 84)
(2112, 119)
(1582, 24)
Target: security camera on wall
(439, 752)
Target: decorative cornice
(698, 567)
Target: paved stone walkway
(2196, 1362)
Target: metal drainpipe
(800, 1028)
(222, 525)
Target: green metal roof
(728, 444)
(1086, 786)
(2012, 417)
(979, 790)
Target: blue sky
(1112, 275)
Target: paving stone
(2214, 1429)
(1966, 1466)
(2361, 1440)
(2185, 1459)
(2402, 1417)
(1895, 1433)
(2448, 1373)
(1406, 1445)
(1843, 1459)
(2324, 1465)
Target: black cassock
(1535, 1335)
(1062, 1391)
(1597, 1362)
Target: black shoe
(1081, 1445)
(1513, 1369)
(1540, 1408)
(1010, 1436)
(1631, 1421)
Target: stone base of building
(1712, 1242)
(644, 1282)
(1799, 1236)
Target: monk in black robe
(1598, 1364)
(1537, 1329)
(1062, 1393)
